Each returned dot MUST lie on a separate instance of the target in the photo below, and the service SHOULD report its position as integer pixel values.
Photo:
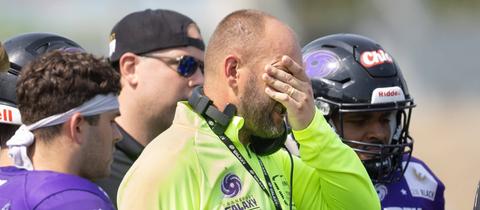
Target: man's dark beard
(257, 112)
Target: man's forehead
(283, 40)
(181, 51)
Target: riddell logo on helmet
(388, 93)
(6, 115)
(373, 58)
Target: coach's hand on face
(288, 84)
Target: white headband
(23, 138)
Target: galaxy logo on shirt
(231, 185)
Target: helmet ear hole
(323, 107)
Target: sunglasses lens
(187, 66)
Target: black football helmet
(21, 50)
(352, 73)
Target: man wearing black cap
(159, 54)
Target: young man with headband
(68, 102)
(23, 48)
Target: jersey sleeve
(329, 174)
(164, 183)
(74, 199)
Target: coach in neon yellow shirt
(231, 159)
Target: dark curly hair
(59, 81)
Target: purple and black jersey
(22, 189)
(419, 189)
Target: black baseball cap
(151, 30)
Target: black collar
(129, 145)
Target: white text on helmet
(387, 94)
(373, 58)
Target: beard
(257, 109)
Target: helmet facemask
(384, 160)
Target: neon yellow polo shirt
(188, 167)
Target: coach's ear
(127, 65)
(230, 70)
(75, 128)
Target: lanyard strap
(247, 166)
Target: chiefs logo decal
(373, 58)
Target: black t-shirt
(126, 152)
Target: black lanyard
(247, 166)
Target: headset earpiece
(204, 106)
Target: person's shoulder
(42, 185)
(421, 180)
(181, 139)
(173, 150)
(74, 199)
(421, 168)
(416, 160)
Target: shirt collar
(129, 145)
(232, 130)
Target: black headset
(204, 106)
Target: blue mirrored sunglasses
(186, 65)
